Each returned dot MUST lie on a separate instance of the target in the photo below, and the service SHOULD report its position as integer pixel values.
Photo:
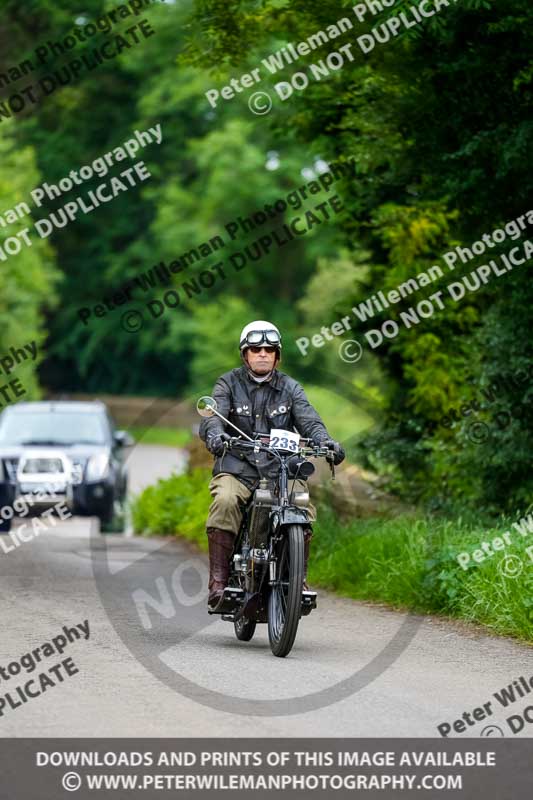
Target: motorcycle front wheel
(285, 601)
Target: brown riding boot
(308, 535)
(220, 548)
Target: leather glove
(215, 443)
(338, 451)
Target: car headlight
(97, 467)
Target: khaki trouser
(228, 493)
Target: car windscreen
(52, 428)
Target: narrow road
(155, 664)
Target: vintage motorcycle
(267, 563)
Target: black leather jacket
(257, 408)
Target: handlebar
(261, 444)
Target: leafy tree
(439, 152)
(28, 280)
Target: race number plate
(284, 440)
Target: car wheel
(114, 520)
(5, 525)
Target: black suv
(85, 432)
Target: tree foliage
(436, 125)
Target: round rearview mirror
(206, 406)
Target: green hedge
(406, 562)
(174, 506)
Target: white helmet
(260, 332)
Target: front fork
(272, 571)
(281, 517)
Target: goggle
(271, 337)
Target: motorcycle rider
(255, 397)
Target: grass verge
(406, 562)
(171, 437)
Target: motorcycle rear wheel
(244, 629)
(285, 601)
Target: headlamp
(97, 467)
